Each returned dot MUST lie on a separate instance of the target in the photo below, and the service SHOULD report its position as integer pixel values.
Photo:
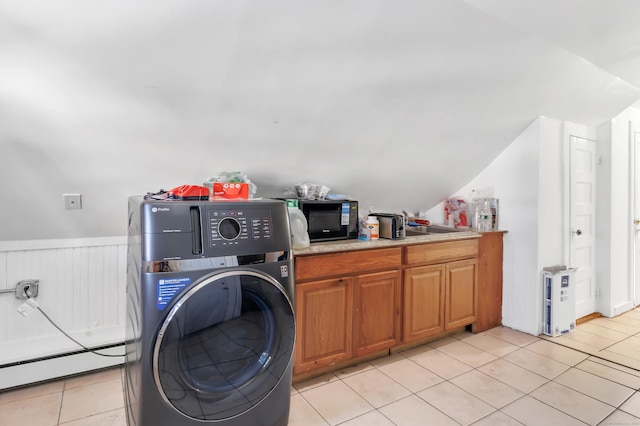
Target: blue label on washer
(168, 288)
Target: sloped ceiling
(398, 104)
(604, 33)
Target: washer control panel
(233, 227)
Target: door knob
(578, 232)
(637, 221)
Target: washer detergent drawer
(164, 247)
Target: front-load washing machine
(210, 325)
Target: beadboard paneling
(82, 288)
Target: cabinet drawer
(441, 252)
(346, 263)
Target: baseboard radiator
(81, 288)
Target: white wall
(82, 289)
(133, 98)
(514, 177)
(83, 280)
(528, 178)
(616, 229)
(136, 96)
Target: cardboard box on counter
(230, 191)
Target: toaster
(392, 226)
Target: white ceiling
(603, 33)
(125, 97)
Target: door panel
(636, 215)
(582, 222)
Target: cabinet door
(376, 321)
(324, 323)
(460, 305)
(423, 302)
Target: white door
(583, 223)
(636, 214)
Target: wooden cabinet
(353, 314)
(346, 263)
(357, 303)
(442, 295)
(461, 293)
(423, 302)
(490, 252)
(324, 310)
(376, 320)
(441, 252)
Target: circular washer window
(224, 346)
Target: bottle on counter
(363, 231)
(373, 225)
(485, 217)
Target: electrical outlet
(27, 288)
(72, 201)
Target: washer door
(224, 346)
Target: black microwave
(329, 220)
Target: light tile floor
(614, 339)
(498, 377)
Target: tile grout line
(595, 355)
(548, 380)
(61, 402)
(473, 368)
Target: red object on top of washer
(189, 192)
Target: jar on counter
(373, 225)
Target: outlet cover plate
(32, 285)
(72, 201)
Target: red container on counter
(230, 191)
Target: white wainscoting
(82, 289)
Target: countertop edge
(350, 245)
